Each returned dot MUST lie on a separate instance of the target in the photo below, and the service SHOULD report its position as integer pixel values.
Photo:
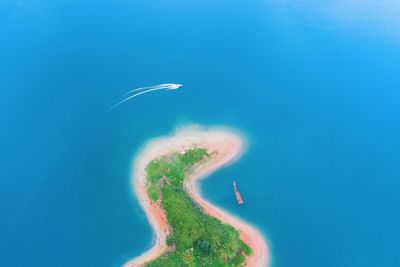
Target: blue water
(314, 87)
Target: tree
(204, 247)
(171, 240)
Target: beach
(225, 146)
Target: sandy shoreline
(228, 147)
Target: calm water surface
(314, 87)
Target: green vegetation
(196, 239)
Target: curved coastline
(228, 146)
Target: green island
(196, 239)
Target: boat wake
(144, 90)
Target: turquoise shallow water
(314, 87)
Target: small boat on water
(238, 196)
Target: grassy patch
(197, 239)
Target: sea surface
(314, 87)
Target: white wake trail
(139, 89)
(145, 90)
(167, 86)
